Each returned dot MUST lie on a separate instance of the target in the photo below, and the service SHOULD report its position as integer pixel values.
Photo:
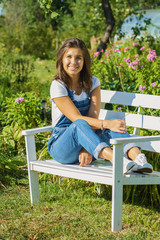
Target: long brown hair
(85, 74)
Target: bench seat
(100, 171)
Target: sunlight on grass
(74, 212)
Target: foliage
(132, 67)
(84, 21)
(38, 41)
(26, 29)
(22, 109)
(15, 73)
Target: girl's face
(73, 62)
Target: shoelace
(142, 159)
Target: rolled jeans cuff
(128, 146)
(98, 150)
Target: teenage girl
(78, 134)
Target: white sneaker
(127, 164)
(141, 164)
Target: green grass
(45, 70)
(70, 210)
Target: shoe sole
(144, 170)
(127, 170)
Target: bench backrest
(136, 120)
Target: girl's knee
(79, 122)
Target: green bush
(133, 67)
(22, 109)
(39, 42)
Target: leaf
(12, 143)
(54, 15)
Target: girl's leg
(79, 134)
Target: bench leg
(117, 196)
(34, 186)
(33, 176)
(117, 188)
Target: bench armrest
(134, 139)
(36, 130)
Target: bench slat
(73, 172)
(133, 120)
(131, 99)
(106, 169)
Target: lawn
(70, 209)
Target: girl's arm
(95, 104)
(67, 107)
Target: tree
(110, 20)
(25, 28)
(114, 12)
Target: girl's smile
(73, 62)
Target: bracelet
(102, 128)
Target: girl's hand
(118, 125)
(85, 157)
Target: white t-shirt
(58, 89)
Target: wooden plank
(107, 171)
(136, 139)
(36, 130)
(117, 188)
(133, 120)
(130, 99)
(142, 179)
(83, 175)
(33, 176)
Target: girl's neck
(76, 86)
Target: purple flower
(119, 108)
(18, 100)
(142, 88)
(141, 66)
(137, 55)
(96, 54)
(142, 48)
(127, 60)
(154, 84)
(134, 67)
(134, 64)
(126, 48)
(134, 44)
(117, 50)
(151, 57)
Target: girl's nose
(73, 60)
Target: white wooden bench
(104, 172)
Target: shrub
(131, 68)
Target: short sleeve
(95, 82)
(58, 89)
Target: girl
(78, 134)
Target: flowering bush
(23, 109)
(131, 68)
(19, 112)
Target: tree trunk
(110, 24)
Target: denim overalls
(68, 138)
